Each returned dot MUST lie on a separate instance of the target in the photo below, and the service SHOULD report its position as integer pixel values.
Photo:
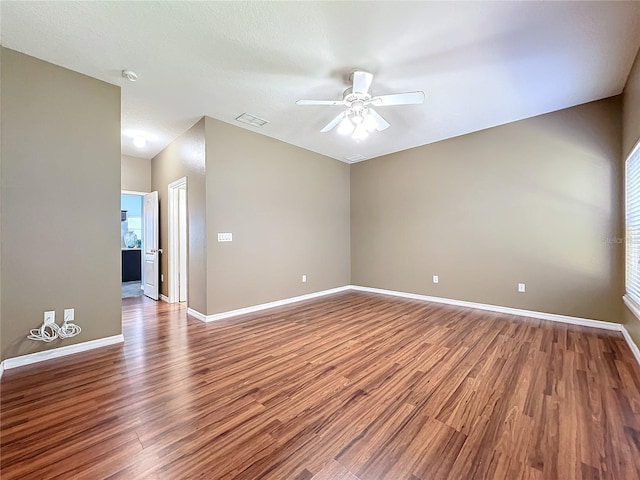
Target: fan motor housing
(349, 97)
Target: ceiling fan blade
(361, 82)
(333, 122)
(381, 123)
(409, 98)
(320, 102)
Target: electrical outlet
(304, 279)
(69, 314)
(521, 287)
(49, 317)
(162, 277)
(436, 279)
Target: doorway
(131, 243)
(178, 240)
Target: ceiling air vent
(354, 158)
(252, 120)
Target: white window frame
(632, 230)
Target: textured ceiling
(480, 64)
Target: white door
(151, 251)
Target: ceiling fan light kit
(360, 119)
(360, 133)
(346, 126)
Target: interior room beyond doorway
(131, 244)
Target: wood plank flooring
(354, 386)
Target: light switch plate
(225, 237)
(69, 314)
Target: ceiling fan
(360, 118)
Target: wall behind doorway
(185, 157)
(135, 174)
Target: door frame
(173, 254)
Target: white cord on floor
(48, 333)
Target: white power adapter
(49, 331)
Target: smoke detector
(129, 75)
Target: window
(632, 224)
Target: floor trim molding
(264, 306)
(115, 339)
(61, 351)
(164, 298)
(632, 345)
(554, 317)
(196, 314)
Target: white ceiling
(480, 64)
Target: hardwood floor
(354, 386)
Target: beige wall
(288, 210)
(185, 157)
(533, 201)
(631, 109)
(1, 357)
(60, 202)
(630, 136)
(135, 174)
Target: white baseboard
(61, 351)
(554, 317)
(584, 322)
(102, 342)
(264, 306)
(196, 314)
(632, 345)
(164, 298)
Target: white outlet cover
(225, 237)
(304, 278)
(521, 287)
(49, 317)
(436, 279)
(69, 314)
